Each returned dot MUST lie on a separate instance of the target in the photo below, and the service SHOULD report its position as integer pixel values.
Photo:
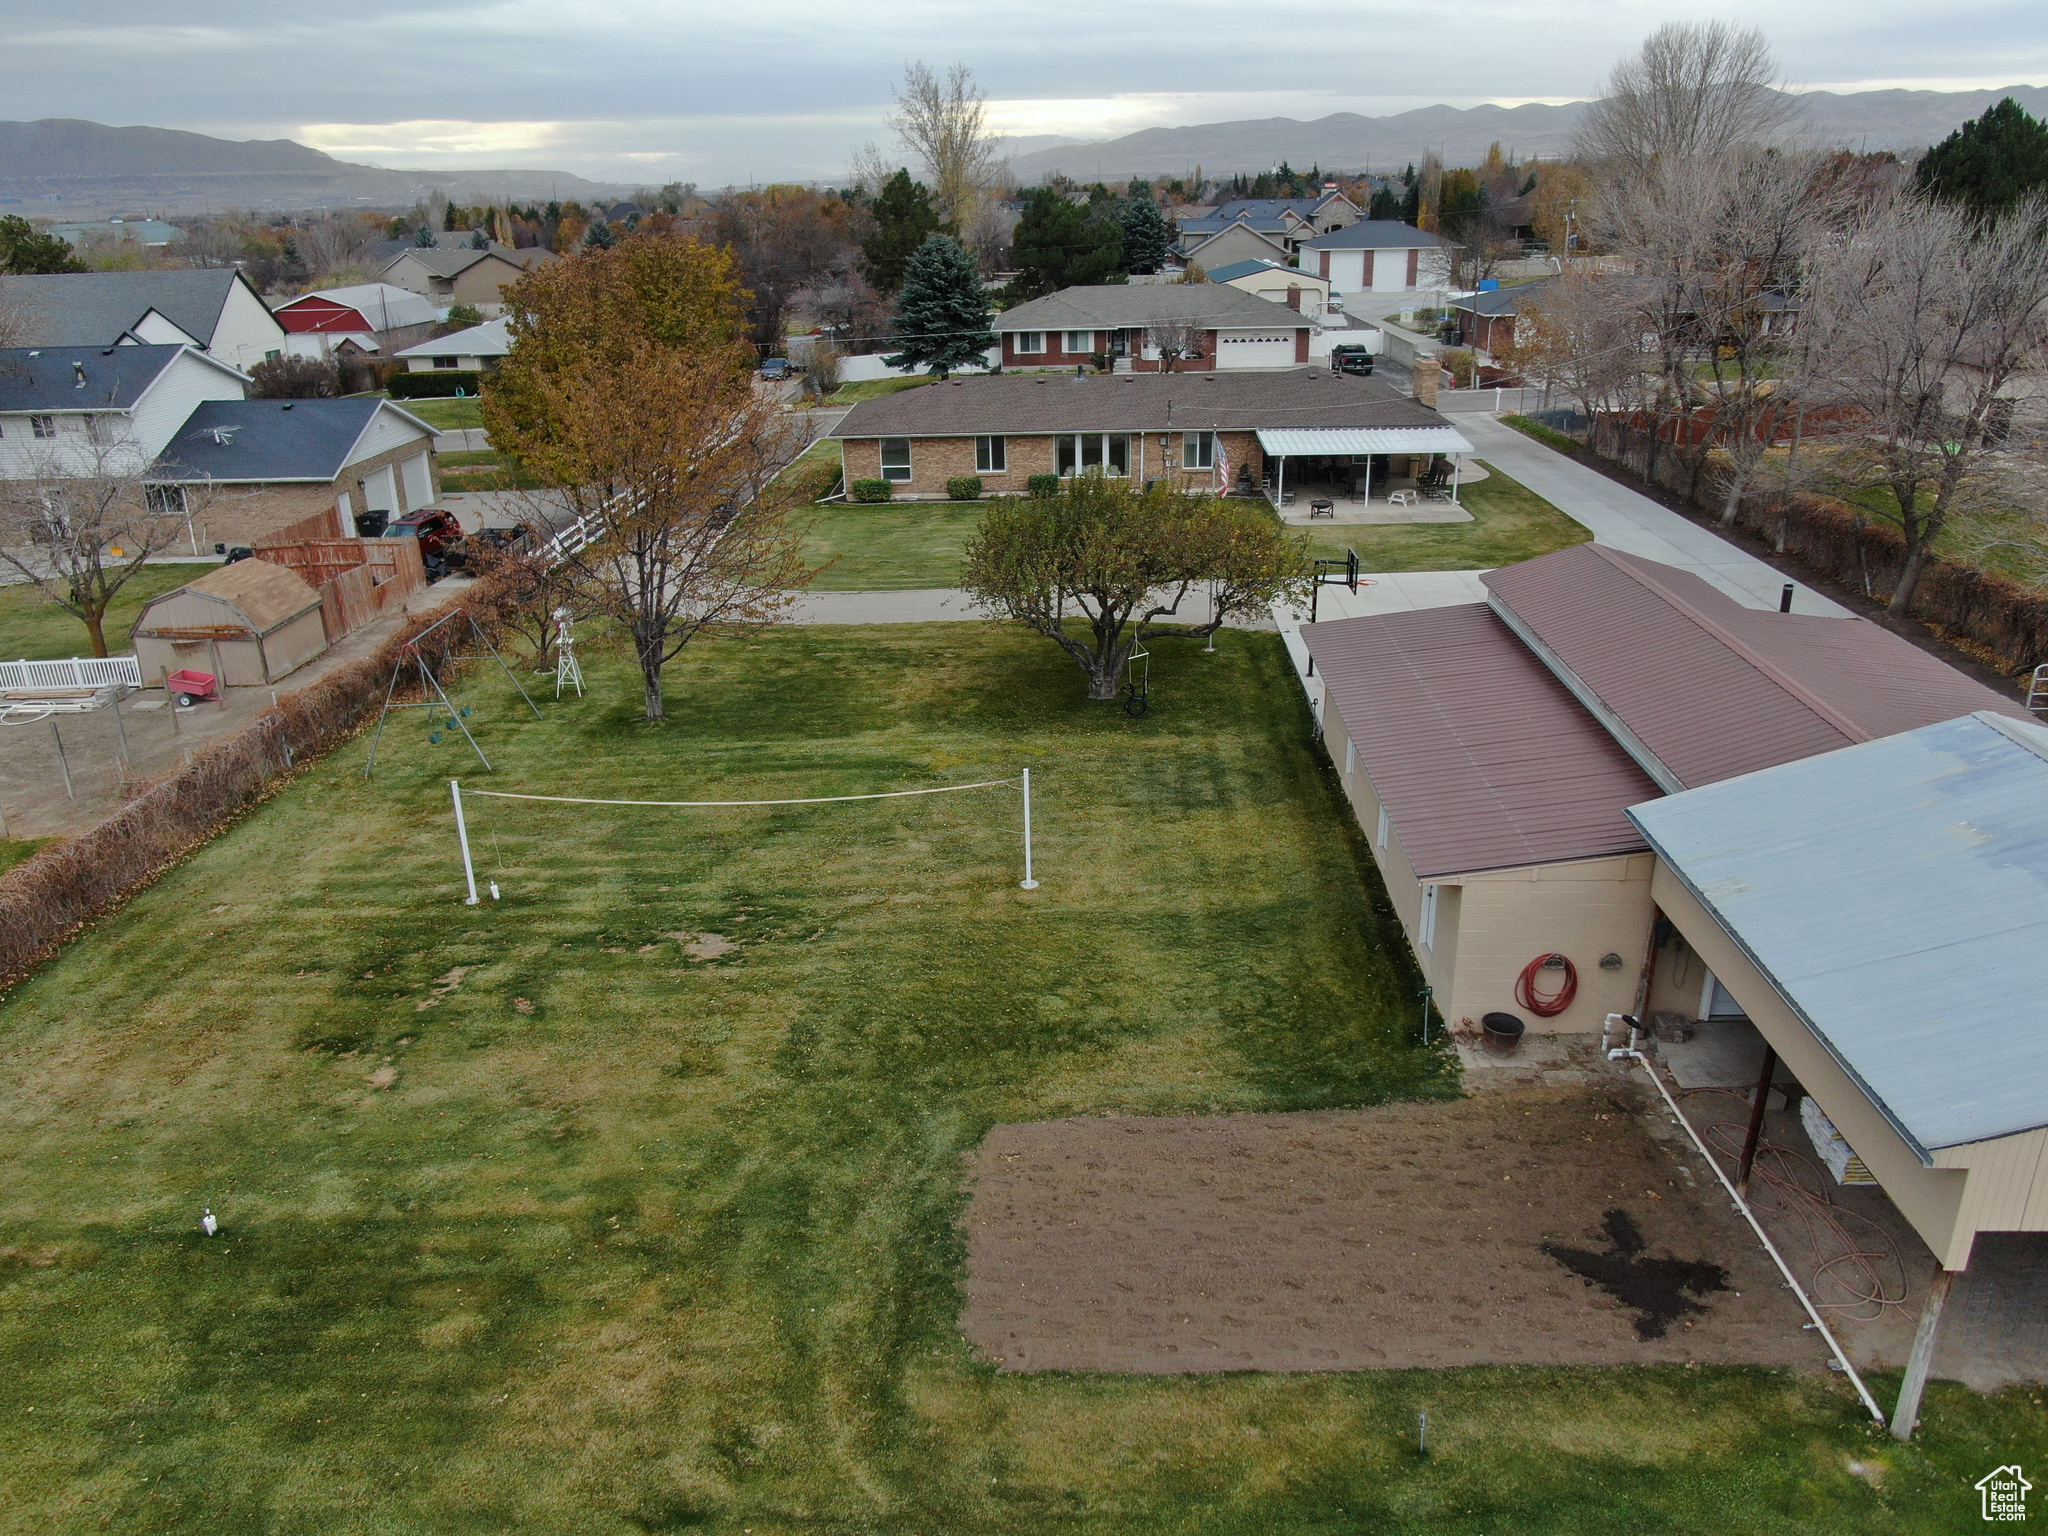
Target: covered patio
(1313, 472)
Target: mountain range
(1904, 121)
(67, 167)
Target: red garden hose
(1546, 1007)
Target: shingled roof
(1122, 306)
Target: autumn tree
(1105, 565)
(943, 121)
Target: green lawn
(533, 1223)
(483, 470)
(34, 627)
(1510, 522)
(874, 389)
(890, 547)
(449, 414)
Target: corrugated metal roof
(1483, 759)
(1293, 440)
(1700, 688)
(1896, 895)
(1020, 404)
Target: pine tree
(1146, 236)
(423, 238)
(942, 314)
(1058, 246)
(1990, 164)
(26, 249)
(904, 220)
(599, 235)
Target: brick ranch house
(1233, 329)
(1204, 430)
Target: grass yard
(483, 470)
(627, 1204)
(874, 389)
(1510, 522)
(448, 415)
(890, 547)
(35, 628)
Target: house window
(446, 362)
(896, 458)
(272, 355)
(43, 426)
(1425, 930)
(1198, 450)
(166, 499)
(1028, 341)
(991, 456)
(1079, 342)
(1099, 453)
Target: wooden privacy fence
(357, 579)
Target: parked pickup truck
(439, 535)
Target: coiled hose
(1551, 1006)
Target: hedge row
(435, 385)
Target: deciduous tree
(943, 120)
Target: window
(1100, 453)
(43, 426)
(1028, 341)
(1198, 450)
(1380, 837)
(166, 499)
(991, 456)
(1425, 930)
(447, 362)
(1079, 342)
(272, 355)
(896, 458)
(1350, 757)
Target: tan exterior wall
(934, 460)
(242, 514)
(2008, 1183)
(1930, 1198)
(1489, 925)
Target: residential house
(1492, 321)
(1283, 222)
(297, 468)
(1298, 290)
(1492, 750)
(479, 348)
(363, 317)
(1378, 256)
(477, 278)
(89, 411)
(1207, 431)
(215, 311)
(1124, 322)
(1228, 244)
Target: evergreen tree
(1058, 246)
(1990, 164)
(942, 313)
(1386, 204)
(1146, 236)
(25, 249)
(479, 241)
(904, 220)
(423, 238)
(599, 235)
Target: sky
(639, 91)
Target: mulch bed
(1545, 1227)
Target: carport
(1348, 454)
(1880, 914)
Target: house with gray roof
(465, 275)
(1277, 283)
(215, 311)
(1379, 256)
(1246, 227)
(265, 469)
(1139, 327)
(100, 411)
(1212, 432)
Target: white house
(479, 347)
(1378, 256)
(80, 411)
(1301, 291)
(217, 312)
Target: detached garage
(248, 623)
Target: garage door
(380, 491)
(419, 483)
(1255, 349)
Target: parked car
(776, 368)
(438, 532)
(1351, 357)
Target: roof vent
(288, 404)
(223, 436)
(78, 372)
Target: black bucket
(1501, 1032)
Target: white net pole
(1029, 883)
(462, 836)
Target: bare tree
(944, 122)
(1176, 341)
(1580, 339)
(1695, 90)
(1936, 316)
(78, 520)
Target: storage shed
(251, 622)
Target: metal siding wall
(1582, 910)
(169, 402)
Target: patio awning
(1285, 442)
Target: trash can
(1501, 1033)
(371, 525)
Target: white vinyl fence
(78, 672)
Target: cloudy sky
(768, 89)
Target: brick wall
(244, 514)
(935, 460)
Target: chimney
(1426, 371)
(1294, 297)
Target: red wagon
(189, 688)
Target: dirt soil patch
(1401, 1236)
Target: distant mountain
(61, 167)
(1905, 121)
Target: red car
(438, 533)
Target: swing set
(437, 698)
